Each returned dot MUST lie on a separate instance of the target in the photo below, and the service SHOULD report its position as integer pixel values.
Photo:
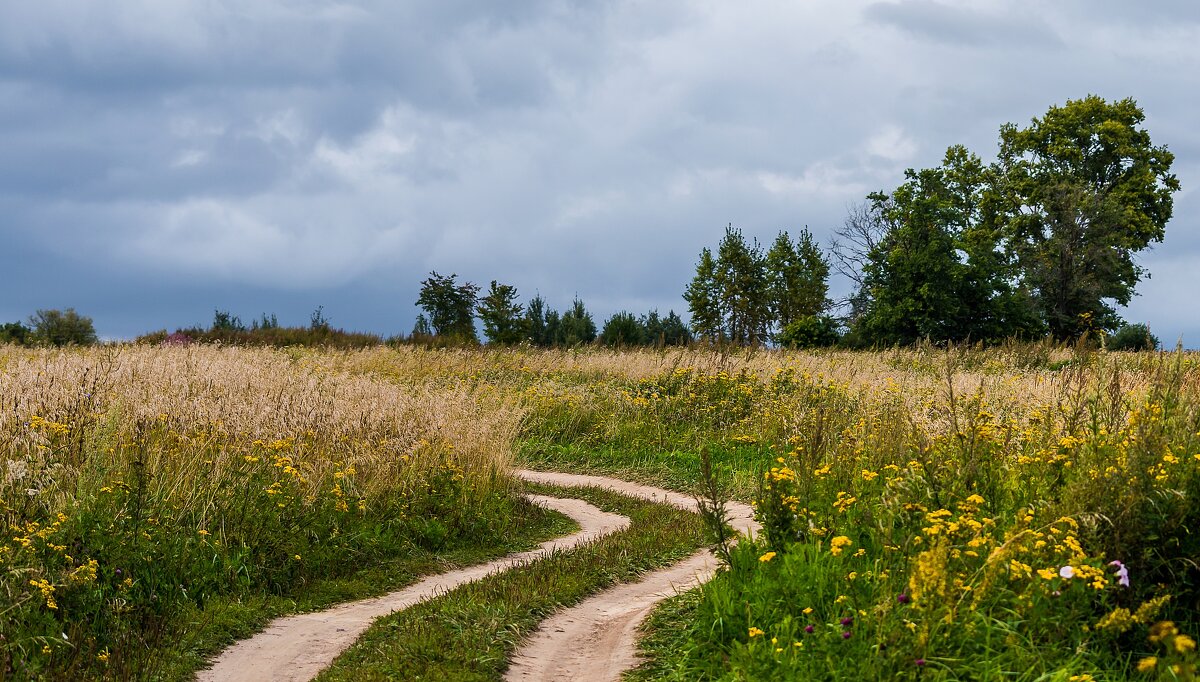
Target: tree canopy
(1042, 240)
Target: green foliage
(535, 322)
(450, 306)
(1132, 337)
(61, 328)
(224, 321)
(265, 322)
(503, 322)
(798, 275)
(665, 331)
(421, 328)
(704, 300)
(623, 329)
(15, 333)
(1044, 239)
(276, 336)
(1083, 190)
(317, 322)
(811, 331)
(937, 273)
(576, 327)
(742, 287)
(743, 295)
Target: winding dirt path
(593, 641)
(596, 640)
(298, 647)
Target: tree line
(1040, 242)
(450, 309)
(50, 328)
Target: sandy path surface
(596, 640)
(591, 642)
(299, 647)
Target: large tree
(938, 272)
(1083, 190)
(450, 306)
(62, 328)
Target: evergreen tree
(225, 321)
(798, 279)
(674, 331)
(535, 322)
(623, 329)
(450, 306)
(502, 315)
(578, 327)
(554, 330)
(704, 300)
(421, 329)
(742, 286)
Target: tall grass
(135, 480)
(936, 512)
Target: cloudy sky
(162, 159)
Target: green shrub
(1132, 337)
(14, 332)
(62, 328)
(811, 331)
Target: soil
(596, 640)
(592, 641)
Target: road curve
(596, 640)
(593, 641)
(297, 648)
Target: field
(1020, 512)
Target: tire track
(297, 648)
(596, 640)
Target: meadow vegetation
(1019, 511)
(151, 496)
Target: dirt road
(596, 640)
(591, 642)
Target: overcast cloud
(159, 160)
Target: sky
(159, 160)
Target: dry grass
(100, 397)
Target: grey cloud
(221, 156)
(958, 25)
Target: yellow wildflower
(1184, 644)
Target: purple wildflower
(903, 598)
(808, 629)
(846, 634)
(847, 621)
(1122, 573)
(920, 662)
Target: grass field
(1020, 512)
(1017, 513)
(160, 501)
